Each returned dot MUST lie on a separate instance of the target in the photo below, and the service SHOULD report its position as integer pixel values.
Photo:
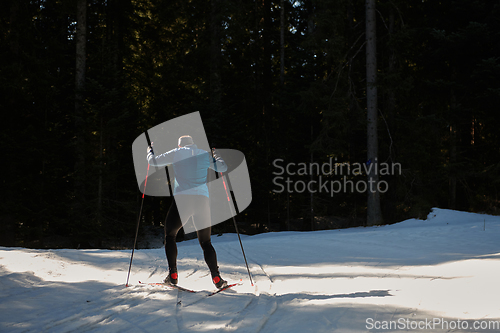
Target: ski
(222, 289)
(168, 285)
(212, 293)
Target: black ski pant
(199, 210)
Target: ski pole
(139, 219)
(237, 232)
(236, 227)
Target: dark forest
(301, 82)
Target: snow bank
(445, 267)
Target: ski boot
(172, 277)
(219, 282)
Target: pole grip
(147, 138)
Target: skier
(191, 198)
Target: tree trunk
(101, 167)
(354, 107)
(310, 16)
(266, 85)
(281, 124)
(311, 194)
(215, 55)
(14, 28)
(81, 56)
(282, 43)
(453, 152)
(374, 214)
(390, 204)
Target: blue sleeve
(162, 159)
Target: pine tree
(374, 214)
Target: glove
(220, 165)
(150, 151)
(215, 154)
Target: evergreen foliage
(149, 61)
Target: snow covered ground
(437, 275)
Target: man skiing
(191, 199)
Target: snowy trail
(445, 267)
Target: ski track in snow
(178, 315)
(327, 281)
